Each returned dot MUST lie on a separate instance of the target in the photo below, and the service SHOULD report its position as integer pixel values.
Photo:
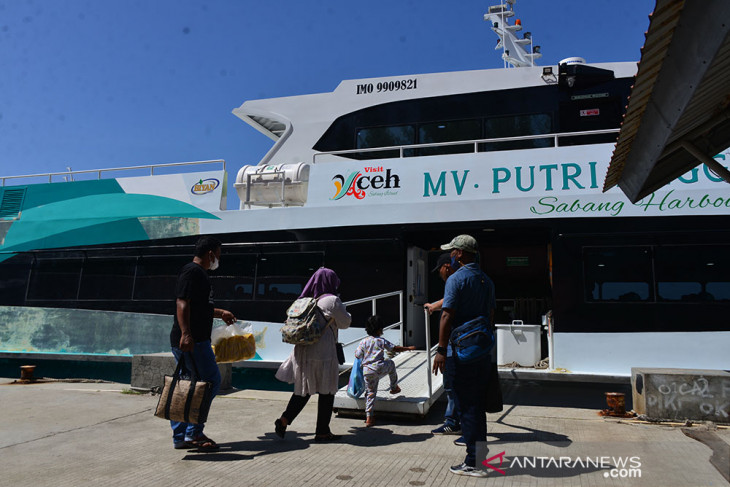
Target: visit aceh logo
(376, 180)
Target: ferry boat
(369, 180)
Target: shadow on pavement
(263, 445)
(380, 436)
(530, 434)
(561, 394)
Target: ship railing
(69, 175)
(554, 137)
(373, 300)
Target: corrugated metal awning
(678, 114)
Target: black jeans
(324, 411)
(470, 386)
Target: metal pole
(551, 349)
(400, 317)
(428, 352)
(708, 161)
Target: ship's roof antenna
(514, 50)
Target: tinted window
(282, 276)
(234, 278)
(618, 274)
(419, 112)
(54, 278)
(385, 137)
(107, 278)
(14, 281)
(692, 273)
(515, 126)
(430, 133)
(157, 275)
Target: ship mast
(519, 52)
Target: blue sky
(109, 83)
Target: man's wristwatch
(441, 350)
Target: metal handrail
(429, 349)
(373, 300)
(474, 142)
(151, 167)
(389, 327)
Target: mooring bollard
(616, 402)
(26, 372)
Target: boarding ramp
(419, 387)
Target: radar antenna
(519, 52)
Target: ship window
(14, 281)
(618, 274)
(157, 276)
(107, 278)
(515, 126)
(431, 133)
(393, 136)
(692, 273)
(282, 276)
(234, 279)
(55, 279)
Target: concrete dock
(75, 434)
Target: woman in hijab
(313, 369)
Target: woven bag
(184, 400)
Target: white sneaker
(465, 469)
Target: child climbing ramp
(371, 351)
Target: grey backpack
(302, 326)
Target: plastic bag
(232, 343)
(356, 386)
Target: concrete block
(149, 370)
(681, 394)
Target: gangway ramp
(419, 387)
(417, 393)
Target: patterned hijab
(323, 281)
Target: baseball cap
(443, 259)
(462, 242)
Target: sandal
(327, 438)
(370, 421)
(183, 445)
(279, 428)
(395, 390)
(202, 442)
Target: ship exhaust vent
(12, 203)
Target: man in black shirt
(190, 335)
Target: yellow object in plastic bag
(233, 343)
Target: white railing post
(428, 352)
(551, 345)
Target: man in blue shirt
(469, 294)
(452, 416)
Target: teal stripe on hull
(101, 214)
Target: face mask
(454, 263)
(214, 264)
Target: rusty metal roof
(681, 93)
